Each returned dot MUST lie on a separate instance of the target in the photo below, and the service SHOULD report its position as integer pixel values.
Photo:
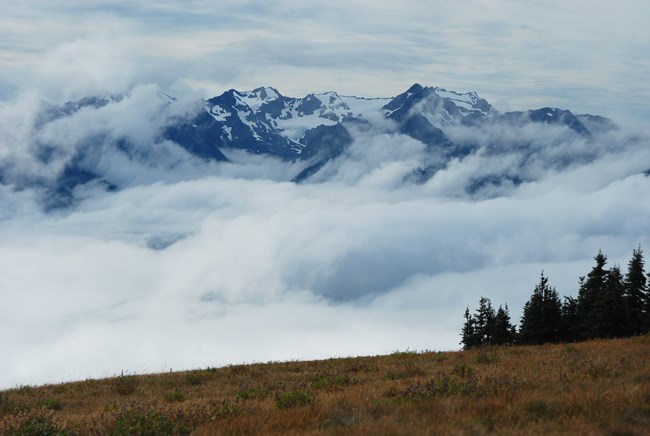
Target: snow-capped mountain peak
(316, 128)
(439, 106)
(259, 96)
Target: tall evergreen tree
(469, 337)
(479, 329)
(647, 305)
(591, 290)
(484, 321)
(542, 317)
(636, 294)
(570, 325)
(608, 313)
(503, 331)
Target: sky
(194, 264)
(589, 56)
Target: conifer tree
(636, 294)
(569, 326)
(608, 313)
(503, 332)
(591, 290)
(484, 321)
(478, 329)
(541, 321)
(647, 306)
(469, 336)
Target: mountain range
(311, 131)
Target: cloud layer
(194, 264)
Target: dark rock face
(201, 136)
(322, 144)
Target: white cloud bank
(217, 270)
(194, 264)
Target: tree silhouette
(591, 290)
(542, 316)
(570, 324)
(469, 337)
(609, 314)
(635, 296)
(609, 304)
(503, 332)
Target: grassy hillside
(598, 387)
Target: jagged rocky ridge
(311, 131)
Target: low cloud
(192, 263)
(218, 270)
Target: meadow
(599, 387)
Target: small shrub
(4, 403)
(410, 370)
(51, 403)
(356, 366)
(331, 382)
(25, 390)
(196, 378)
(541, 409)
(397, 375)
(570, 350)
(13, 405)
(441, 385)
(226, 410)
(485, 358)
(383, 407)
(175, 396)
(38, 424)
(253, 393)
(464, 371)
(145, 423)
(489, 422)
(600, 371)
(295, 368)
(405, 353)
(462, 381)
(239, 369)
(125, 384)
(340, 414)
(439, 356)
(288, 400)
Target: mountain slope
(310, 133)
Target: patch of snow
(334, 109)
(465, 105)
(294, 127)
(228, 131)
(360, 106)
(467, 100)
(218, 113)
(256, 98)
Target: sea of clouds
(192, 263)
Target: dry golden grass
(598, 387)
